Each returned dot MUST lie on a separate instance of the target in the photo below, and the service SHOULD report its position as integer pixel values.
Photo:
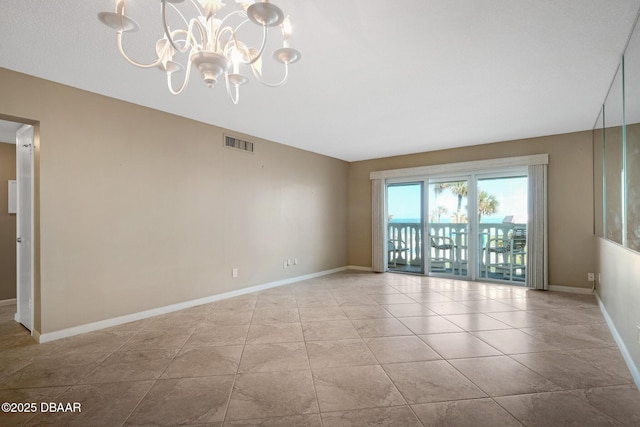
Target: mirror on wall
(598, 170)
(613, 189)
(616, 154)
(632, 152)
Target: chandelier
(210, 43)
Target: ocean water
(446, 220)
(405, 220)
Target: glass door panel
(404, 227)
(448, 227)
(502, 228)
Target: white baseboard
(570, 289)
(359, 268)
(7, 302)
(635, 372)
(115, 321)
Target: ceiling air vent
(238, 144)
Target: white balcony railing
(448, 246)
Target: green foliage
(487, 203)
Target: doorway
(8, 215)
(24, 226)
(20, 209)
(471, 226)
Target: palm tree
(487, 204)
(458, 188)
(459, 218)
(439, 188)
(437, 213)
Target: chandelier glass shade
(211, 44)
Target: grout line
(235, 376)
(313, 382)
(155, 380)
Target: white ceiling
(377, 78)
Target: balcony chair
(460, 250)
(397, 248)
(508, 253)
(518, 251)
(441, 253)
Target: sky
(404, 201)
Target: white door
(24, 225)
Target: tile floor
(349, 349)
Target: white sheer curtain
(378, 243)
(537, 252)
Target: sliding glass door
(448, 227)
(466, 226)
(502, 228)
(404, 227)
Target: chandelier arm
(202, 30)
(237, 12)
(264, 43)
(280, 83)
(235, 99)
(222, 22)
(190, 40)
(219, 36)
(232, 36)
(165, 26)
(131, 61)
(242, 23)
(197, 6)
(184, 83)
(186, 23)
(185, 42)
(235, 39)
(190, 25)
(224, 29)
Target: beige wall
(7, 224)
(140, 209)
(571, 246)
(619, 290)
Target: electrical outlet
(285, 264)
(234, 273)
(295, 261)
(289, 261)
(591, 277)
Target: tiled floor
(350, 349)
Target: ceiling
(376, 79)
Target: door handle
(19, 239)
